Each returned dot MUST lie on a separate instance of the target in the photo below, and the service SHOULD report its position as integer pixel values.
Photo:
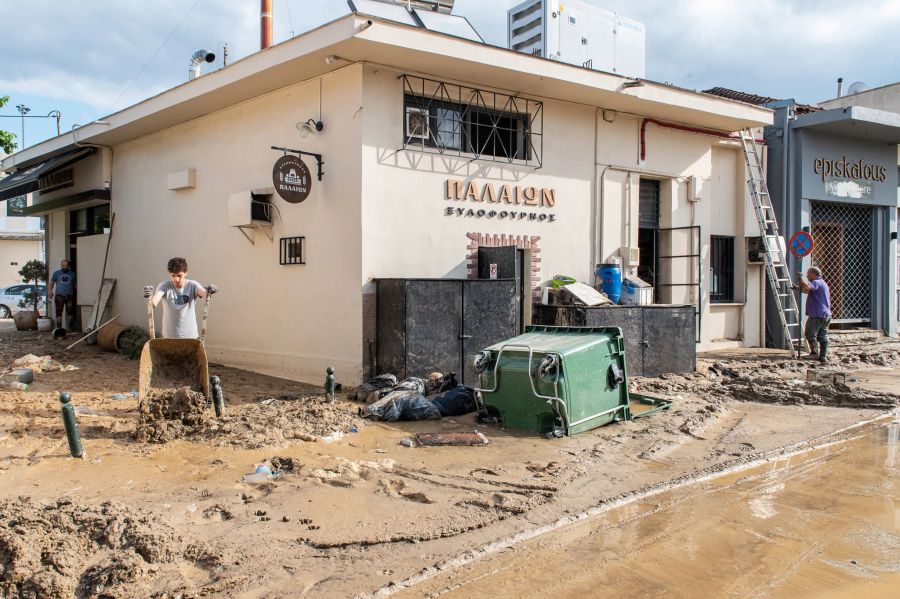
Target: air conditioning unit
(578, 33)
(251, 210)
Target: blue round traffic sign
(801, 244)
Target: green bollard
(217, 395)
(330, 385)
(68, 414)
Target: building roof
(362, 39)
(755, 100)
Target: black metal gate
(842, 235)
(680, 270)
(438, 325)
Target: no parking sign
(801, 244)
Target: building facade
(833, 174)
(21, 240)
(431, 146)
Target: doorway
(648, 232)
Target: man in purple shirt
(818, 312)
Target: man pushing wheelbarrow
(174, 373)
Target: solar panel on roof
(449, 24)
(393, 12)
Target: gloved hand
(148, 291)
(211, 288)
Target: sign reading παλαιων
(292, 179)
(505, 198)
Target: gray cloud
(88, 51)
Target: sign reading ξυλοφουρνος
(291, 178)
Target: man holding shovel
(178, 295)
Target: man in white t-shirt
(178, 296)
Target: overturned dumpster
(559, 381)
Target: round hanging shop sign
(291, 178)
(801, 244)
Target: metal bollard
(72, 434)
(330, 386)
(217, 396)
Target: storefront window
(721, 266)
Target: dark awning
(26, 180)
(85, 199)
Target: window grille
(721, 286)
(293, 250)
(843, 249)
(456, 120)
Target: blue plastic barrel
(610, 277)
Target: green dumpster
(558, 381)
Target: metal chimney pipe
(840, 86)
(198, 58)
(265, 24)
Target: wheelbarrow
(174, 363)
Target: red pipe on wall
(697, 130)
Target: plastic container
(609, 278)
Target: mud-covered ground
(357, 510)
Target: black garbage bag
(382, 382)
(445, 383)
(401, 405)
(457, 401)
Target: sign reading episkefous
(501, 202)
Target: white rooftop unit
(579, 33)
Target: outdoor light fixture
(310, 126)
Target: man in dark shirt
(63, 285)
(818, 312)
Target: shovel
(173, 363)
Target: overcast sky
(88, 58)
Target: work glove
(148, 291)
(211, 288)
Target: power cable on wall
(149, 60)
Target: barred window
(721, 267)
(452, 119)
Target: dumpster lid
(561, 340)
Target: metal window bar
(292, 250)
(721, 269)
(690, 263)
(456, 120)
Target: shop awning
(85, 199)
(26, 180)
(854, 121)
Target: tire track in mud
(704, 475)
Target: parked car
(12, 295)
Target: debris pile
(40, 364)
(166, 415)
(282, 419)
(65, 550)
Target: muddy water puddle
(825, 523)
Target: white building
(432, 145)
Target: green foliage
(6, 138)
(33, 272)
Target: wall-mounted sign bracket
(318, 158)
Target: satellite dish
(857, 87)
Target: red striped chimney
(265, 24)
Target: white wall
(404, 198)
(291, 321)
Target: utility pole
(23, 110)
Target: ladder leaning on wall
(773, 244)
